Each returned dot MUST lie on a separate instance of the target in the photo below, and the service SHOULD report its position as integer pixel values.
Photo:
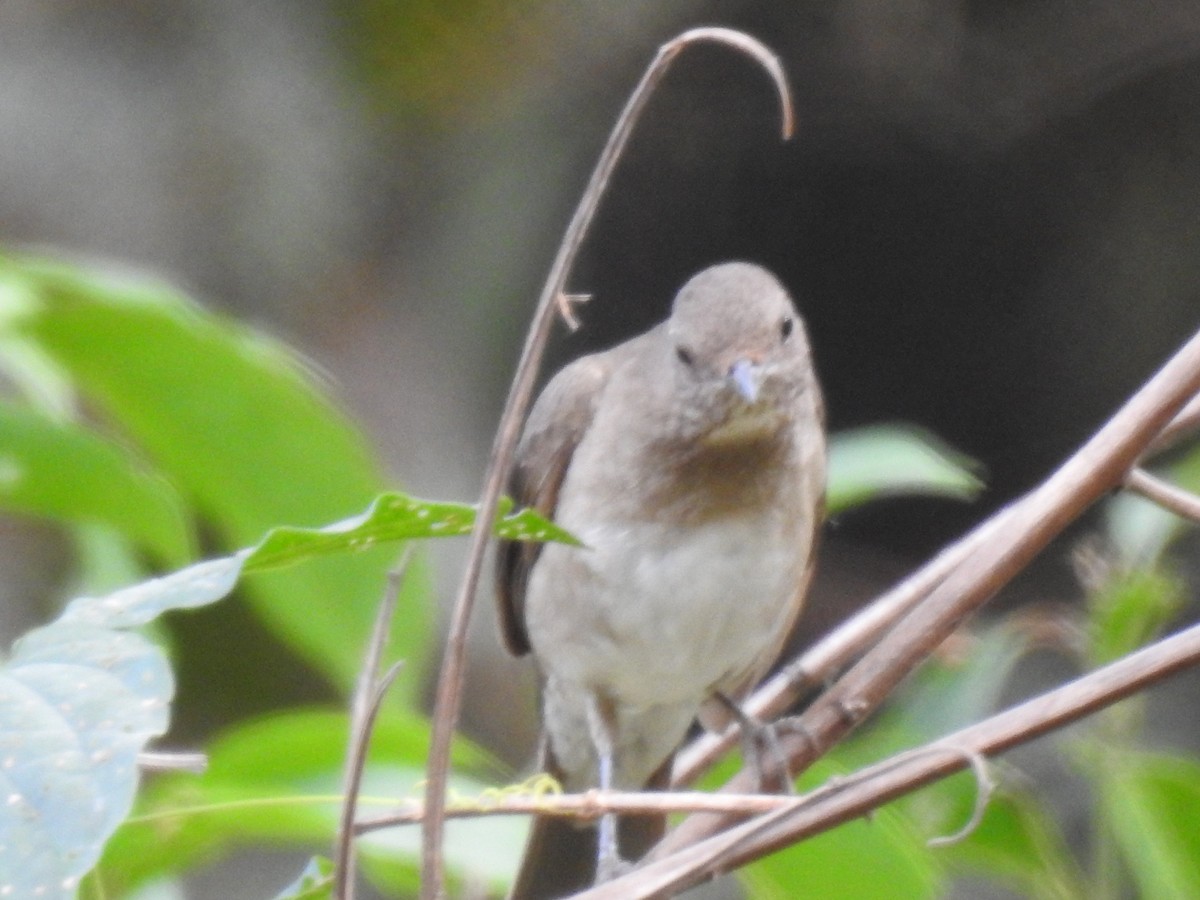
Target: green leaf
(1017, 843)
(391, 517)
(861, 859)
(60, 471)
(1149, 803)
(889, 460)
(314, 883)
(238, 427)
(394, 517)
(1130, 609)
(316, 740)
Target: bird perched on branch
(690, 463)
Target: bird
(689, 462)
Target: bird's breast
(652, 613)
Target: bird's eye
(785, 328)
(685, 355)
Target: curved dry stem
(449, 692)
(985, 786)
(753, 48)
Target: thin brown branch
(364, 709)
(1168, 496)
(172, 761)
(1023, 531)
(870, 788)
(586, 806)
(450, 681)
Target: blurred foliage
(229, 419)
(204, 422)
(431, 59)
(891, 460)
(314, 883)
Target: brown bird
(690, 462)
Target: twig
(1168, 496)
(449, 692)
(594, 803)
(586, 806)
(1023, 531)
(879, 784)
(171, 761)
(364, 709)
(984, 788)
(789, 819)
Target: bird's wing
(560, 418)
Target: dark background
(988, 216)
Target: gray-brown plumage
(690, 461)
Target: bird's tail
(560, 856)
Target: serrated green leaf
(57, 470)
(890, 460)
(395, 517)
(391, 517)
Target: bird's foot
(762, 751)
(609, 862)
(610, 866)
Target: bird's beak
(746, 377)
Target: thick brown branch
(870, 788)
(850, 639)
(1023, 530)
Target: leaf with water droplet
(77, 704)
